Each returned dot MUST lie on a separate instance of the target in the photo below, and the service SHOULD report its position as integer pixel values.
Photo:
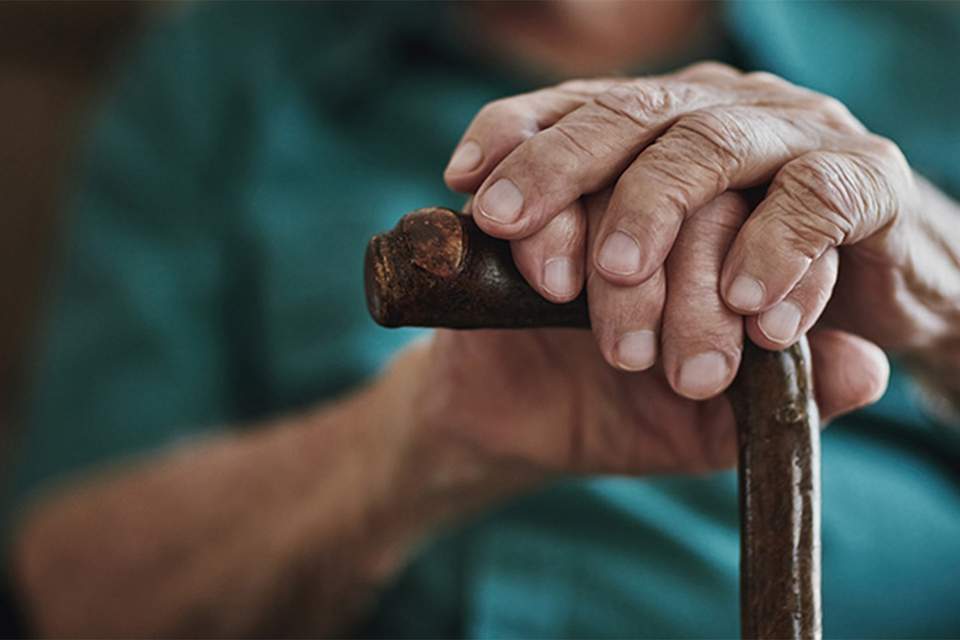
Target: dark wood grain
(437, 269)
(778, 436)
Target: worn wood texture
(778, 435)
(437, 269)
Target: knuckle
(829, 104)
(496, 111)
(712, 140)
(765, 79)
(855, 191)
(594, 133)
(572, 142)
(511, 110)
(836, 114)
(568, 146)
(819, 199)
(576, 86)
(885, 174)
(585, 88)
(886, 150)
(813, 181)
(761, 77)
(643, 101)
(551, 158)
(711, 68)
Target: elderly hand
(664, 147)
(546, 400)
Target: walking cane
(437, 269)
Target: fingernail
(780, 323)
(619, 254)
(745, 293)
(467, 157)
(636, 350)
(702, 375)
(559, 277)
(502, 202)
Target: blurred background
(53, 59)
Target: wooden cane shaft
(437, 269)
(778, 437)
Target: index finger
(583, 152)
(502, 125)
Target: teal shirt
(210, 277)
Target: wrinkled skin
(549, 399)
(666, 146)
(658, 161)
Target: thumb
(849, 372)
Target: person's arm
(294, 528)
(223, 535)
(290, 529)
